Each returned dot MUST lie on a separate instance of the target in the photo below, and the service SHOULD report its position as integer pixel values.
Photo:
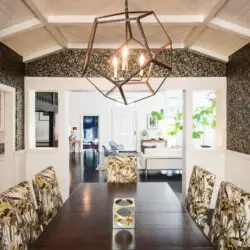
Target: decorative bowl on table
(124, 213)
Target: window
(174, 117)
(204, 119)
(46, 117)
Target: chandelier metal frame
(129, 16)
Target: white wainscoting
(237, 169)
(20, 166)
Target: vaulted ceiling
(34, 28)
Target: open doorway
(91, 132)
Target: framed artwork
(43, 116)
(152, 122)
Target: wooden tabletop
(85, 221)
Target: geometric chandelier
(143, 53)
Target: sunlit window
(204, 119)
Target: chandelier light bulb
(124, 57)
(141, 63)
(115, 63)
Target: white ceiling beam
(209, 53)
(54, 31)
(20, 28)
(172, 19)
(197, 30)
(219, 23)
(115, 45)
(42, 53)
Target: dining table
(85, 221)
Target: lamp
(128, 72)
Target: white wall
(20, 166)
(237, 169)
(1, 136)
(42, 129)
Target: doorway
(91, 132)
(124, 129)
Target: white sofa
(161, 158)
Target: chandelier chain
(126, 6)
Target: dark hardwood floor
(83, 170)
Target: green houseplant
(177, 126)
(204, 116)
(158, 115)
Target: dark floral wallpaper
(12, 74)
(69, 63)
(238, 101)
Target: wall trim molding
(19, 152)
(237, 154)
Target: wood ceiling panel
(30, 42)
(237, 12)
(101, 7)
(221, 42)
(114, 33)
(13, 12)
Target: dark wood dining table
(85, 221)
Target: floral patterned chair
(230, 227)
(47, 193)
(199, 195)
(18, 218)
(122, 169)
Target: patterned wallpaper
(12, 74)
(238, 101)
(69, 63)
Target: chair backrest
(230, 226)
(199, 195)
(48, 196)
(18, 217)
(11, 222)
(113, 145)
(105, 150)
(122, 169)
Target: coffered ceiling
(34, 28)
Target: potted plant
(159, 116)
(177, 126)
(204, 116)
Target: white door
(124, 129)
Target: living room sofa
(161, 158)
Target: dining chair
(230, 226)
(199, 195)
(48, 195)
(122, 169)
(18, 217)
